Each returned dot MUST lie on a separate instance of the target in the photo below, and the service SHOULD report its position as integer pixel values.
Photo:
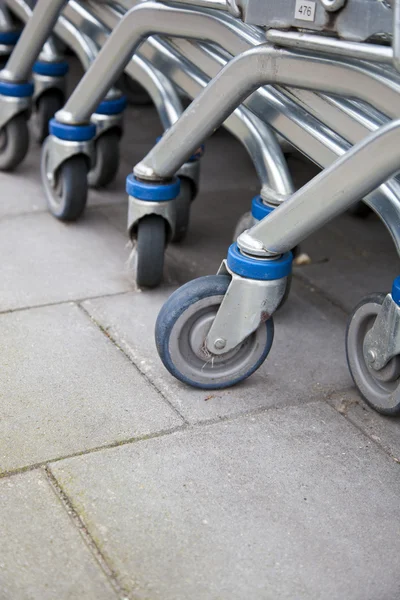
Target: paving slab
(42, 554)
(45, 261)
(292, 503)
(351, 258)
(385, 431)
(66, 388)
(307, 357)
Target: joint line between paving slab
(75, 301)
(357, 426)
(319, 291)
(144, 375)
(84, 532)
(110, 446)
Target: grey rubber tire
(106, 166)
(380, 389)
(183, 203)
(150, 248)
(14, 142)
(67, 200)
(46, 107)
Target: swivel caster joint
(151, 224)
(216, 331)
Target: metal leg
(34, 35)
(363, 168)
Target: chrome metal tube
(362, 169)
(396, 35)
(330, 45)
(6, 22)
(242, 76)
(33, 37)
(140, 22)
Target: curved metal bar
(161, 90)
(331, 45)
(363, 168)
(237, 80)
(6, 23)
(33, 37)
(140, 22)
(256, 136)
(23, 10)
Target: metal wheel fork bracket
(58, 151)
(191, 170)
(162, 203)
(382, 342)
(10, 106)
(43, 83)
(105, 122)
(246, 304)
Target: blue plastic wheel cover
(52, 69)
(16, 90)
(261, 269)
(9, 38)
(72, 133)
(152, 192)
(259, 210)
(112, 107)
(396, 291)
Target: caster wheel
(149, 251)
(67, 197)
(183, 203)
(107, 159)
(135, 93)
(46, 107)
(380, 389)
(14, 142)
(360, 210)
(181, 329)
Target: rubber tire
(183, 204)
(106, 166)
(177, 304)
(16, 142)
(47, 105)
(150, 247)
(134, 92)
(354, 358)
(73, 173)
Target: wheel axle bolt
(371, 354)
(219, 343)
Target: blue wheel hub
(9, 38)
(72, 133)
(152, 192)
(259, 210)
(396, 291)
(260, 269)
(112, 107)
(16, 90)
(51, 69)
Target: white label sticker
(305, 10)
